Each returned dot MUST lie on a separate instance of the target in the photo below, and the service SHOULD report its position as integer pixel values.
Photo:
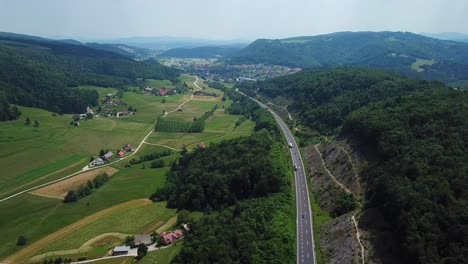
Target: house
(202, 145)
(142, 239)
(162, 92)
(169, 238)
(185, 227)
(121, 153)
(89, 110)
(120, 250)
(76, 123)
(96, 162)
(109, 155)
(127, 148)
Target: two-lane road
(305, 237)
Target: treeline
(414, 132)
(8, 112)
(85, 190)
(150, 156)
(173, 125)
(39, 73)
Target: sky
(227, 19)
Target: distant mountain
(407, 53)
(455, 36)
(166, 43)
(38, 72)
(203, 52)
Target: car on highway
(295, 166)
(290, 144)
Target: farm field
(64, 149)
(60, 189)
(159, 83)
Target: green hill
(414, 133)
(387, 50)
(38, 72)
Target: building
(127, 148)
(120, 250)
(169, 238)
(89, 110)
(96, 162)
(121, 153)
(202, 145)
(109, 155)
(142, 239)
(162, 92)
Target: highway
(304, 231)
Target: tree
(142, 250)
(91, 159)
(183, 217)
(28, 121)
(36, 123)
(71, 197)
(21, 241)
(102, 152)
(89, 116)
(157, 163)
(163, 100)
(76, 118)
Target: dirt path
(358, 236)
(191, 98)
(87, 246)
(29, 251)
(330, 174)
(164, 146)
(356, 175)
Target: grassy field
(127, 221)
(416, 66)
(56, 149)
(102, 92)
(162, 256)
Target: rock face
(338, 241)
(335, 168)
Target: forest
(244, 188)
(414, 134)
(395, 51)
(40, 73)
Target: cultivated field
(56, 149)
(60, 189)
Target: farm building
(120, 250)
(170, 237)
(127, 148)
(109, 155)
(121, 153)
(162, 92)
(202, 145)
(96, 162)
(142, 239)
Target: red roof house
(162, 92)
(121, 153)
(170, 237)
(202, 145)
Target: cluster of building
(110, 155)
(159, 91)
(165, 238)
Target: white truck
(290, 144)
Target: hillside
(407, 53)
(37, 72)
(413, 136)
(122, 49)
(202, 52)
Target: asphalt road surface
(304, 238)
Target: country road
(86, 168)
(304, 230)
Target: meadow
(56, 149)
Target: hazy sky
(228, 19)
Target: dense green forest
(7, 112)
(244, 188)
(415, 135)
(387, 50)
(40, 72)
